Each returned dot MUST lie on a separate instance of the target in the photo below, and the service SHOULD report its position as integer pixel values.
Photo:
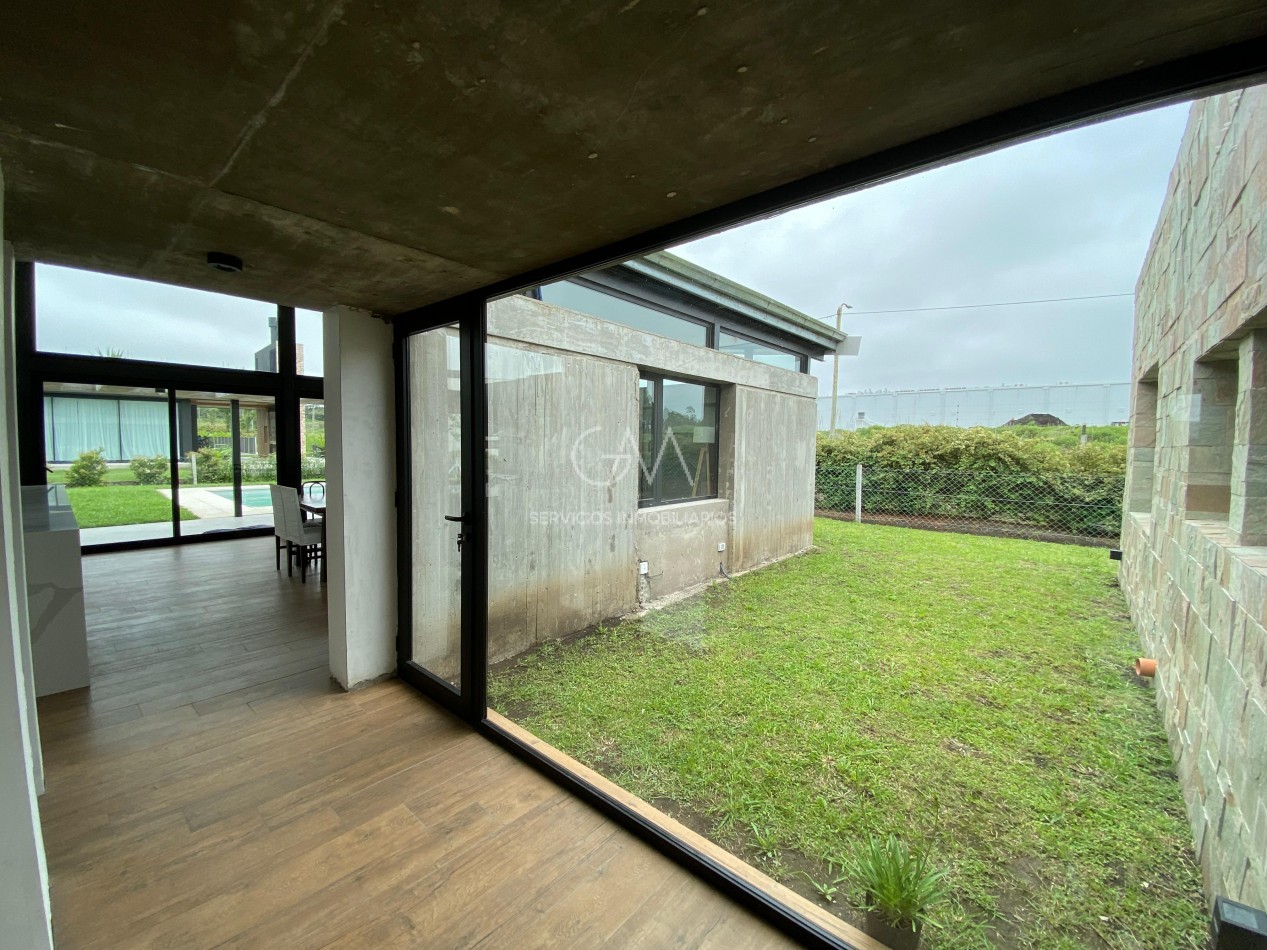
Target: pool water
(252, 497)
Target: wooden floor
(213, 789)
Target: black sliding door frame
(469, 699)
(1236, 65)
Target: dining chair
(303, 539)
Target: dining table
(312, 501)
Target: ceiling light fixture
(225, 262)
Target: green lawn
(121, 504)
(967, 693)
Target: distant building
(1037, 419)
(1093, 404)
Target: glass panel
(435, 439)
(223, 485)
(688, 445)
(100, 315)
(758, 352)
(109, 446)
(618, 310)
(312, 439)
(309, 343)
(646, 440)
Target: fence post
(857, 495)
(193, 466)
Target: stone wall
(1194, 571)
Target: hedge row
(995, 475)
(977, 450)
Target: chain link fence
(1074, 509)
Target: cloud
(1064, 216)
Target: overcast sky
(1070, 215)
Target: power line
(981, 306)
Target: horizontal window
(748, 349)
(622, 311)
(677, 441)
(91, 314)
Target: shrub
(977, 449)
(259, 468)
(151, 470)
(312, 467)
(214, 465)
(88, 470)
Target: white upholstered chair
(302, 539)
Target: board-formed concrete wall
(566, 535)
(1194, 567)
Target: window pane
(689, 445)
(646, 439)
(99, 315)
(120, 488)
(618, 310)
(224, 483)
(309, 343)
(758, 352)
(312, 439)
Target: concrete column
(1247, 515)
(25, 919)
(360, 496)
(1212, 406)
(1141, 455)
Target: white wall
(360, 496)
(24, 901)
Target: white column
(24, 902)
(360, 496)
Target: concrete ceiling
(387, 155)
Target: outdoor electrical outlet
(721, 545)
(642, 567)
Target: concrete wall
(561, 535)
(768, 473)
(24, 899)
(565, 530)
(360, 496)
(679, 544)
(1193, 570)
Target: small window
(741, 346)
(309, 343)
(626, 312)
(678, 441)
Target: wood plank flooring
(213, 788)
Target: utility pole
(835, 370)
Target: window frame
(620, 293)
(657, 380)
(801, 359)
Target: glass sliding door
(442, 575)
(110, 447)
(312, 440)
(227, 444)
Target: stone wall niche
(1211, 424)
(1247, 515)
(1142, 449)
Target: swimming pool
(253, 496)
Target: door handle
(461, 519)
